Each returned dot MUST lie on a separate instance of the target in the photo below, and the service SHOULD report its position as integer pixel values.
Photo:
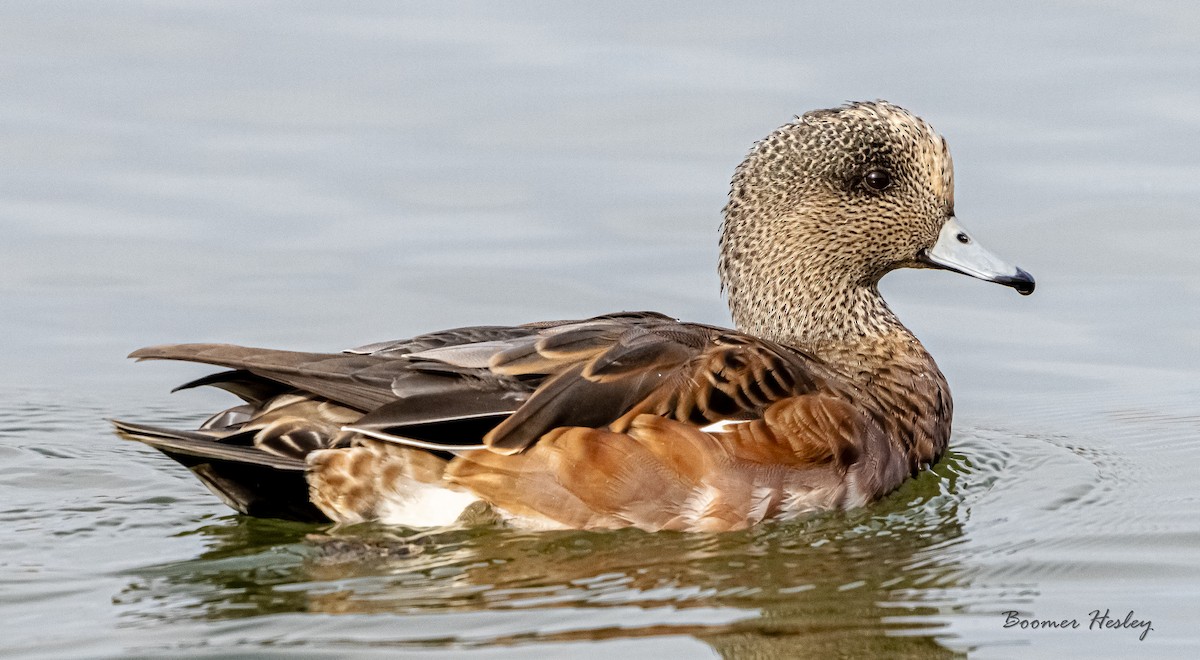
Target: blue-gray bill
(956, 250)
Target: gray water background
(318, 175)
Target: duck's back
(625, 419)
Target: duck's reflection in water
(846, 584)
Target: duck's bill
(956, 250)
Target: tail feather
(246, 386)
(250, 481)
(358, 381)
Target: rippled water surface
(315, 176)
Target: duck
(817, 399)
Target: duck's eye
(877, 179)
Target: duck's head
(837, 199)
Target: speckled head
(825, 206)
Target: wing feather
(511, 386)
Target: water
(316, 176)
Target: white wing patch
(723, 425)
(416, 504)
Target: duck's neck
(852, 329)
(831, 320)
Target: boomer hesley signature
(1096, 620)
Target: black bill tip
(1022, 282)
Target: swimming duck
(820, 399)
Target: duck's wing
(438, 386)
(361, 382)
(488, 333)
(510, 386)
(601, 422)
(700, 429)
(640, 421)
(592, 373)
(606, 376)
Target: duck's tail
(247, 479)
